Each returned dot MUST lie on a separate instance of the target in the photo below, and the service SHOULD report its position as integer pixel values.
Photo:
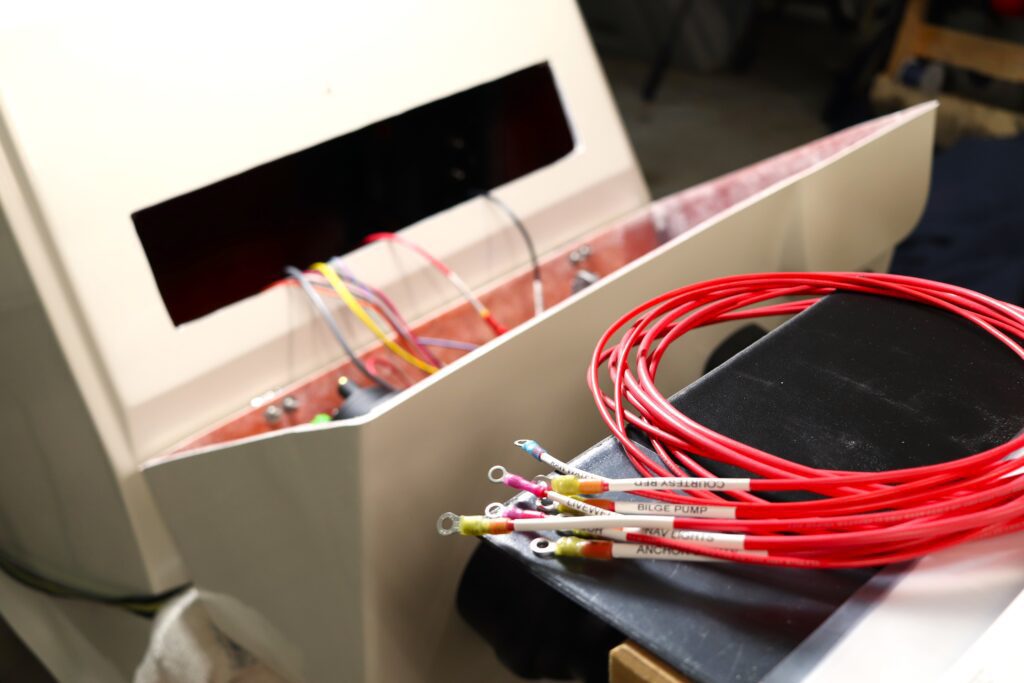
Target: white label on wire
(676, 509)
(664, 533)
(712, 539)
(566, 468)
(578, 505)
(613, 534)
(708, 484)
(640, 551)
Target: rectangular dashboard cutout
(230, 240)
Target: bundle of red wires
(856, 518)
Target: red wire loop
(858, 518)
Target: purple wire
(447, 343)
(368, 293)
(365, 294)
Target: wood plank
(1000, 59)
(993, 57)
(958, 116)
(630, 663)
(904, 47)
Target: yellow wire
(364, 317)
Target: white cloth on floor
(187, 648)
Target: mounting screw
(583, 279)
(290, 404)
(272, 413)
(579, 254)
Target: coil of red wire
(857, 518)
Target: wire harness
(856, 519)
(325, 315)
(445, 270)
(357, 309)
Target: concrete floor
(703, 125)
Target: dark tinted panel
(227, 241)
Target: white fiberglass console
(105, 116)
(129, 341)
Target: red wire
(445, 270)
(415, 346)
(427, 256)
(393, 371)
(860, 518)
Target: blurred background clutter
(708, 86)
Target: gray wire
(522, 231)
(538, 283)
(447, 343)
(365, 294)
(328, 319)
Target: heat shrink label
(654, 552)
(677, 510)
(566, 468)
(690, 483)
(709, 538)
(582, 506)
(712, 539)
